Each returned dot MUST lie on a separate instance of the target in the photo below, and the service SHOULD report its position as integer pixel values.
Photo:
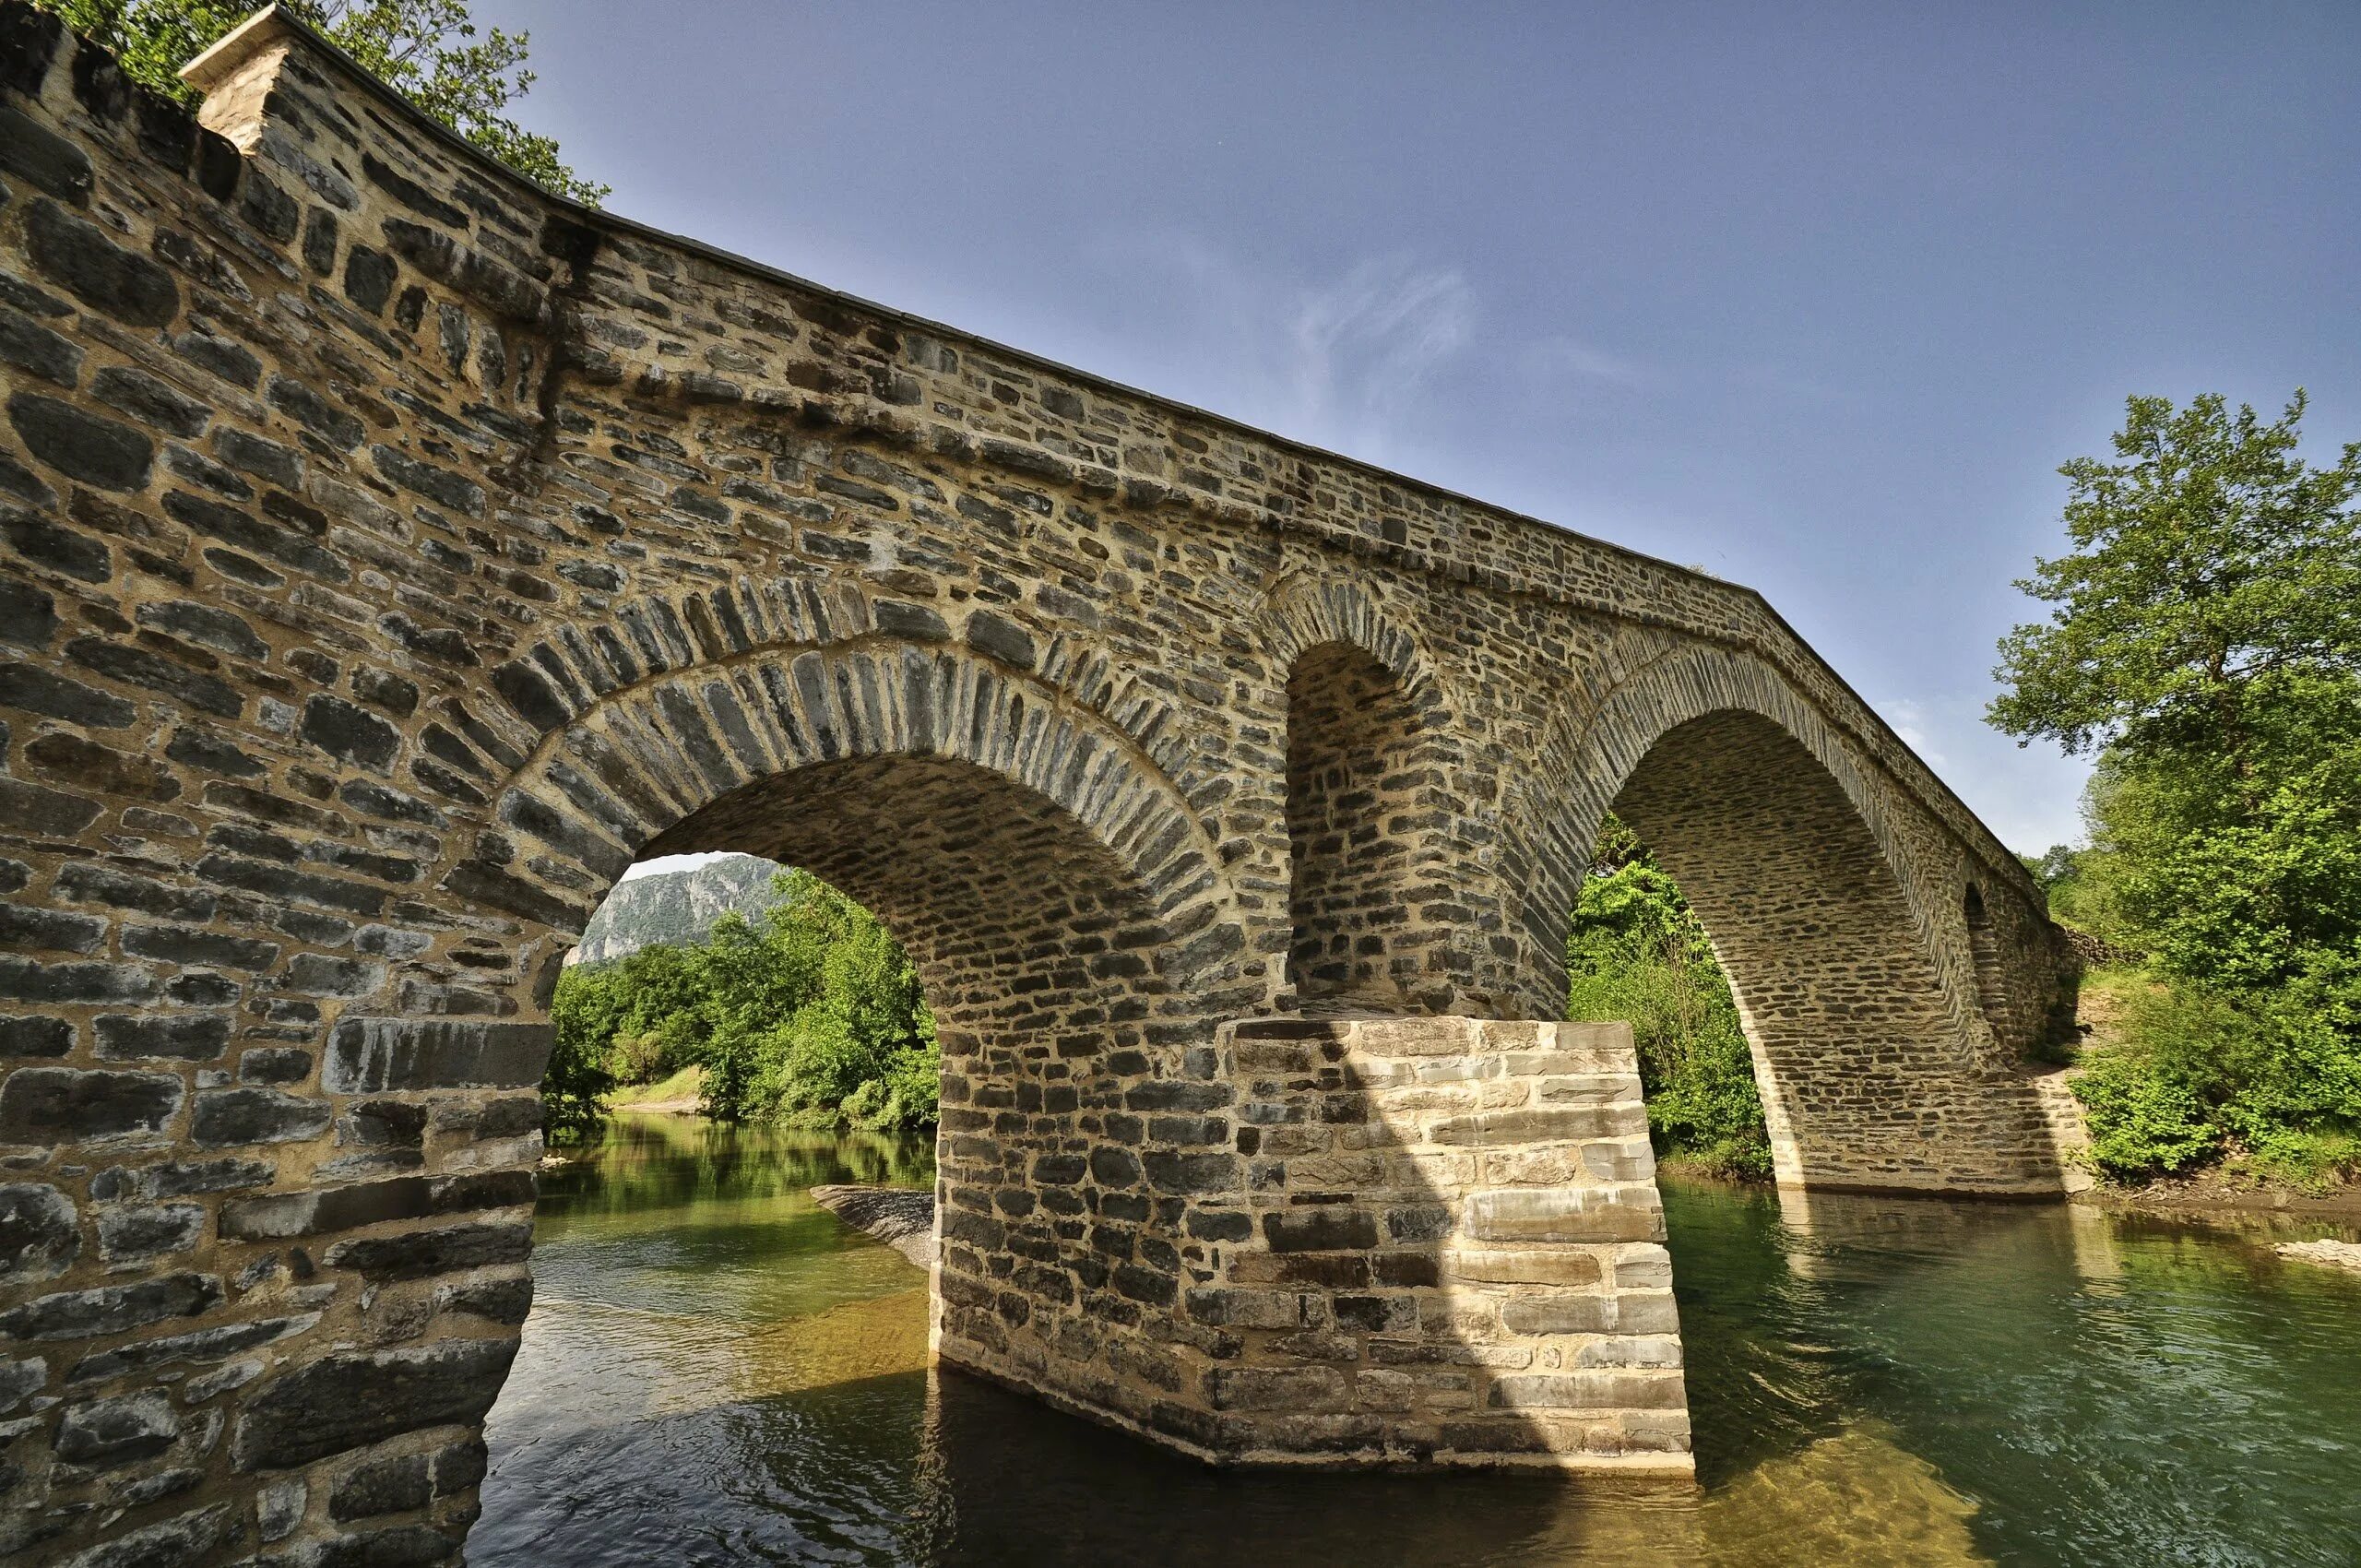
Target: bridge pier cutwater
(394, 554)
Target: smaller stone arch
(1871, 1056)
(620, 778)
(1370, 806)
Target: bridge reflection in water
(716, 1371)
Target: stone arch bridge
(393, 554)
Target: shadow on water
(716, 1371)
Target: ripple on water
(717, 1371)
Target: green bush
(812, 1014)
(1637, 952)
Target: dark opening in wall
(1992, 979)
(1351, 783)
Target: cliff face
(676, 907)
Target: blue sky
(1814, 296)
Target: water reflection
(716, 1371)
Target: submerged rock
(902, 1218)
(2332, 1255)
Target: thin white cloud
(1557, 358)
(1348, 362)
(663, 863)
(1909, 721)
(1365, 348)
(2031, 796)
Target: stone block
(1558, 1214)
(371, 1055)
(40, 1232)
(112, 1309)
(251, 1114)
(65, 1105)
(103, 1433)
(1322, 1228)
(349, 1399)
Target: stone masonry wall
(389, 553)
(1460, 1250)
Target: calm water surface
(715, 1370)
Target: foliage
(2215, 576)
(2207, 648)
(428, 49)
(1638, 953)
(576, 1084)
(812, 1014)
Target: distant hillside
(677, 907)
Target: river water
(717, 1371)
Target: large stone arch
(1876, 1063)
(1076, 939)
(621, 773)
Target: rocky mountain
(677, 907)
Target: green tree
(1636, 952)
(2206, 646)
(2215, 576)
(577, 1083)
(428, 49)
(813, 1013)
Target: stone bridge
(394, 553)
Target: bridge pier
(1443, 1244)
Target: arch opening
(1352, 787)
(1048, 964)
(1991, 968)
(1862, 1060)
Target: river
(715, 1370)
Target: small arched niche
(1352, 798)
(1991, 974)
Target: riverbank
(2228, 1193)
(679, 1095)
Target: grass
(683, 1084)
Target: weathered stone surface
(28, 345)
(186, 1539)
(253, 1116)
(901, 1218)
(346, 1400)
(96, 451)
(189, 1036)
(381, 1485)
(153, 403)
(79, 257)
(366, 1055)
(41, 157)
(417, 1253)
(199, 1345)
(68, 1105)
(105, 1432)
(40, 1232)
(135, 1235)
(333, 1208)
(112, 1309)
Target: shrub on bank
(1638, 953)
